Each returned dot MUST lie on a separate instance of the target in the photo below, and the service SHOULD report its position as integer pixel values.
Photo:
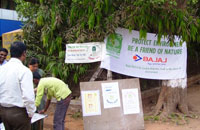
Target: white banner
(84, 52)
(127, 54)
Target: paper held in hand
(37, 117)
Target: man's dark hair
(36, 75)
(4, 50)
(17, 49)
(33, 61)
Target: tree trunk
(109, 75)
(172, 99)
(96, 74)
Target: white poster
(127, 54)
(111, 96)
(130, 100)
(84, 52)
(90, 103)
(37, 117)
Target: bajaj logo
(136, 58)
(154, 59)
(150, 59)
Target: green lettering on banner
(173, 51)
(133, 66)
(160, 51)
(166, 44)
(130, 48)
(141, 41)
(162, 43)
(136, 49)
(151, 71)
(177, 44)
(147, 50)
(71, 46)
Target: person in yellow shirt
(53, 87)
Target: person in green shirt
(53, 87)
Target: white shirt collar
(15, 60)
(4, 62)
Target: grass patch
(151, 118)
(177, 118)
(76, 115)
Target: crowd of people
(22, 91)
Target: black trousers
(15, 118)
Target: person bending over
(53, 87)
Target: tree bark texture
(171, 100)
(96, 74)
(109, 75)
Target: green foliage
(165, 18)
(53, 23)
(40, 20)
(77, 115)
(177, 118)
(151, 118)
(91, 21)
(26, 10)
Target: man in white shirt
(3, 55)
(16, 91)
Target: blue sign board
(9, 25)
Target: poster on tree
(84, 52)
(127, 54)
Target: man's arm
(48, 102)
(28, 95)
(39, 94)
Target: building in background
(8, 18)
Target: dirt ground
(74, 122)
